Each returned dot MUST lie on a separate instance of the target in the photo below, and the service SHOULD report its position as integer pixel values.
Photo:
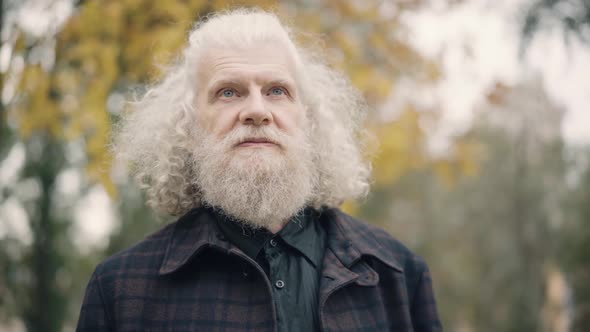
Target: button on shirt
(292, 261)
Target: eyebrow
(284, 82)
(224, 81)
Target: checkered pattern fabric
(188, 277)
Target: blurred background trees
(573, 16)
(501, 216)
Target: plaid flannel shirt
(188, 277)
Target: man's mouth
(256, 142)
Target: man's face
(253, 87)
(252, 157)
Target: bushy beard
(260, 186)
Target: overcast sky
(478, 42)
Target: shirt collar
(250, 240)
(192, 233)
(348, 240)
(301, 233)
(351, 239)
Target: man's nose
(256, 112)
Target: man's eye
(228, 93)
(277, 91)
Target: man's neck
(277, 228)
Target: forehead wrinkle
(244, 77)
(222, 61)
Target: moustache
(269, 135)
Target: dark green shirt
(292, 260)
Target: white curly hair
(154, 135)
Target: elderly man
(254, 142)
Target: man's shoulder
(372, 240)
(172, 244)
(144, 256)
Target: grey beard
(259, 187)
